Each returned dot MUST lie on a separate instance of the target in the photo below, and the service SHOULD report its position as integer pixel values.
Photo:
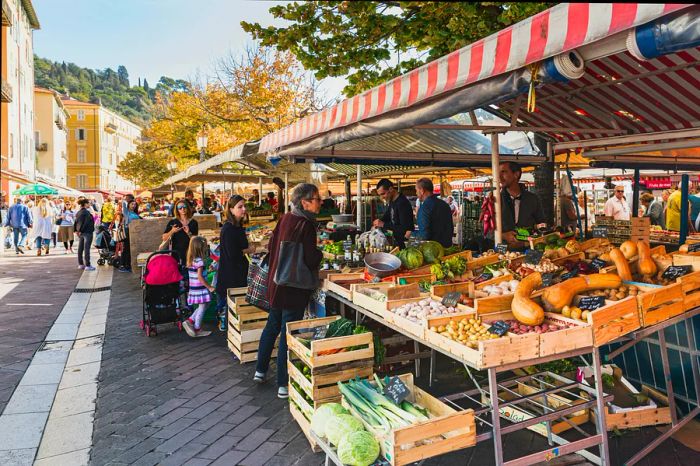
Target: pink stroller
(161, 291)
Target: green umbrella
(36, 189)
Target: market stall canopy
(490, 70)
(35, 189)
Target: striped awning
(552, 32)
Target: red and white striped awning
(549, 33)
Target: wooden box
(321, 384)
(439, 291)
(425, 269)
(576, 257)
(692, 259)
(245, 326)
(659, 303)
(394, 295)
(614, 320)
(333, 282)
(418, 329)
(447, 430)
(481, 262)
(327, 351)
(411, 277)
(303, 422)
(489, 353)
(690, 286)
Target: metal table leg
(432, 367)
(693, 343)
(495, 417)
(601, 427)
(416, 349)
(667, 377)
(342, 309)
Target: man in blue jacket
(20, 219)
(434, 215)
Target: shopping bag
(256, 294)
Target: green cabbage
(432, 251)
(412, 258)
(322, 414)
(358, 449)
(340, 425)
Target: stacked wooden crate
(245, 326)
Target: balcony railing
(6, 91)
(60, 122)
(41, 147)
(111, 128)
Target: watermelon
(412, 258)
(432, 251)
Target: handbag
(256, 294)
(291, 270)
(165, 245)
(120, 234)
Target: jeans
(20, 235)
(45, 241)
(276, 323)
(125, 260)
(84, 244)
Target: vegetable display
(432, 251)
(523, 307)
(449, 269)
(557, 296)
(411, 258)
(340, 425)
(421, 310)
(358, 448)
(521, 329)
(504, 288)
(468, 331)
(323, 414)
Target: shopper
(199, 289)
(520, 208)
(19, 218)
(398, 216)
(180, 229)
(84, 228)
(43, 226)
(287, 304)
(617, 207)
(673, 212)
(652, 208)
(65, 230)
(434, 215)
(569, 218)
(125, 259)
(107, 212)
(233, 265)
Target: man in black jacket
(398, 217)
(84, 228)
(434, 215)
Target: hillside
(111, 87)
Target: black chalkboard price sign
(451, 299)
(598, 263)
(396, 390)
(533, 256)
(502, 248)
(676, 271)
(499, 328)
(320, 332)
(695, 247)
(599, 232)
(547, 279)
(590, 303)
(570, 274)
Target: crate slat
(690, 286)
(614, 320)
(305, 426)
(659, 304)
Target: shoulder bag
(291, 270)
(256, 294)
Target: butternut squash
(629, 249)
(523, 307)
(646, 264)
(562, 294)
(620, 261)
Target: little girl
(199, 287)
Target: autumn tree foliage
(249, 96)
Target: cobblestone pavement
(33, 290)
(174, 400)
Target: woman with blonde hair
(43, 226)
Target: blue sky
(152, 38)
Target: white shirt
(617, 209)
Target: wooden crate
(490, 353)
(481, 262)
(304, 425)
(447, 430)
(330, 283)
(418, 329)
(248, 351)
(657, 304)
(690, 285)
(692, 259)
(314, 357)
(322, 384)
(395, 296)
(613, 320)
(245, 326)
(425, 269)
(576, 257)
(412, 277)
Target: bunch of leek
(376, 409)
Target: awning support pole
(635, 194)
(359, 197)
(260, 194)
(684, 209)
(286, 192)
(495, 162)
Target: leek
(411, 408)
(365, 409)
(381, 401)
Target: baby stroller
(161, 291)
(103, 243)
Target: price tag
(499, 328)
(599, 231)
(598, 263)
(547, 279)
(320, 332)
(396, 390)
(591, 303)
(502, 248)
(533, 256)
(571, 274)
(451, 299)
(675, 271)
(695, 247)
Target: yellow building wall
(90, 167)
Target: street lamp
(202, 145)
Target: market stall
(590, 86)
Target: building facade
(17, 160)
(98, 139)
(50, 132)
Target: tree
(144, 171)
(372, 42)
(145, 85)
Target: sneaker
(189, 328)
(20, 250)
(38, 252)
(259, 377)
(198, 332)
(81, 267)
(222, 323)
(283, 392)
(90, 268)
(124, 269)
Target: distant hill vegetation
(111, 87)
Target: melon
(411, 258)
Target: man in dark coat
(434, 215)
(398, 217)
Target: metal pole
(601, 426)
(348, 196)
(260, 195)
(684, 209)
(495, 162)
(201, 159)
(286, 192)
(635, 194)
(495, 412)
(359, 197)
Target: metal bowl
(382, 264)
(342, 218)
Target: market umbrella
(36, 189)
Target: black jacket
(84, 222)
(531, 212)
(399, 219)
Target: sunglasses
(181, 207)
(619, 191)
